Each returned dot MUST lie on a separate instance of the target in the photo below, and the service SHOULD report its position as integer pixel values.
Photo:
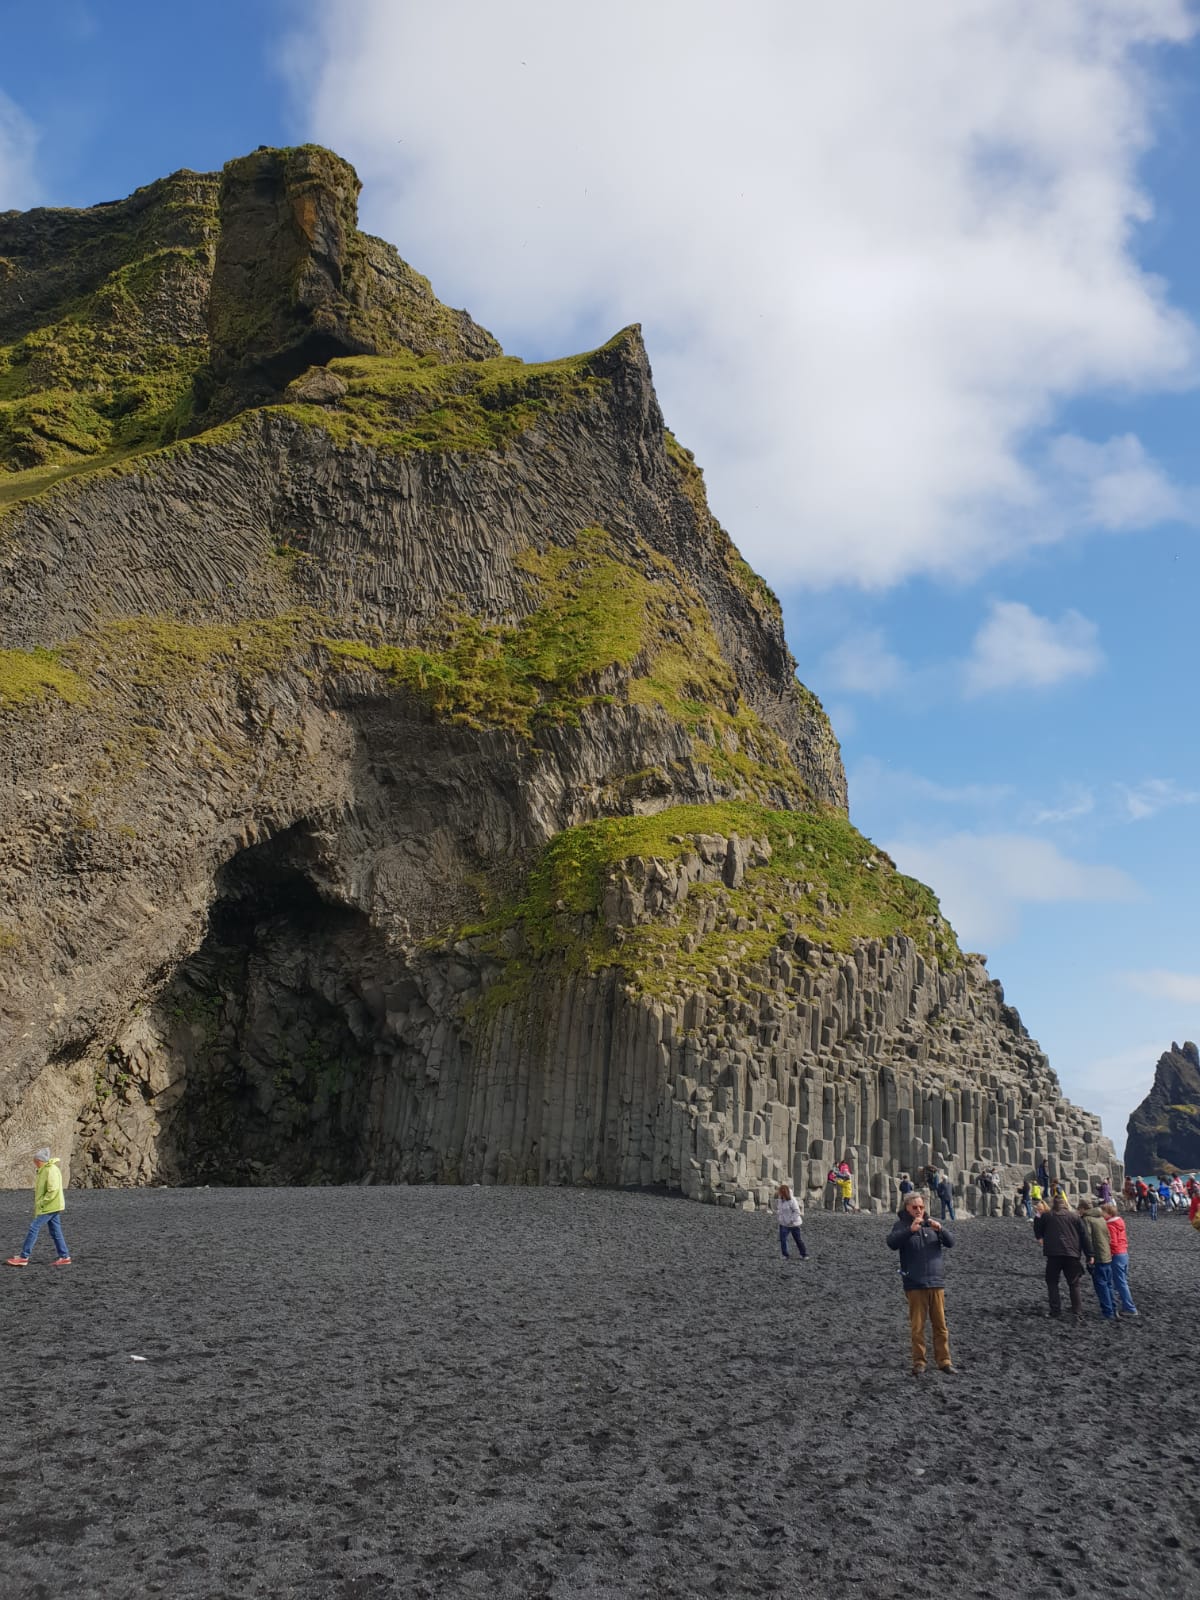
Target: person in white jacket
(790, 1216)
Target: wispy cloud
(1114, 485)
(983, 880)
(863, 316)
(1076, 803)
(1015, 648)
(863, 664)
(872, 779)
(1153, 795)
(1181, 987)
(18, 145)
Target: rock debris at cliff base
(455, 1392)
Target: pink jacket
(1117, 1236)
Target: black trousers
(1071, 1267)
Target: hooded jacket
(922, 1258)
(48, 1189)
(789, 1213)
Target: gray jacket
(922, 1257)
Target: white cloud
(875, 247)
(982, 880)
(1016, 649)
(1114, 486)
(873, 779)
(863, 664)
(1153, 795)
(1114, 1085)
(1077, 802)
(1181, 987)
(18, 142)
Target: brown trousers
(931, 1303)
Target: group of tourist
(1091, 1237)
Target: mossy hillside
(404, 403)
(824, 881)
(111, 375)
(610, 624)
(28, 677)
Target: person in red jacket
(1119, 1240)
(1194, 1207)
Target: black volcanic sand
(522, 1393)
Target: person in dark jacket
(946, 1195)
(1067, 1247)
(922, 1244)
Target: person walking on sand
(48, 1207)
(922, 1244)
(945, 1196)
(790, 1216)
(1100, 1250)
(1119, 1242)
(1067, 1247)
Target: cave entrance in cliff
(259, 1023)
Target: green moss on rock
(29, 676)
(819, 879)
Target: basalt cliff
(1164, 1131)
(403, 776)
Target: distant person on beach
(1152, 1200)
(1194, 1209)
(1026, 1197)
(790, 1217)
(1036, 1192)
(906, 1186)
(1119, 1243)
(1100, 1251)
(1067, 1248)
(1043, 1176)
(48, 1207)
(922, 1244)
(945, 1196)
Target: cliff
(1164, 1131)
(403, 772)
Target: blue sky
(919, 286)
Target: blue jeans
(1102, 1282)
(52, 1220)
(1153, 1203)
(783, 1241)
(947, 1210)
(1120, 1272)
(1028, 1204)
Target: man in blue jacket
(922, 1243)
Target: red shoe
(62, 1261)
(17, 1261)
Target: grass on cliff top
(608, 625)
(403, 403)
(853, 892)
(112, 376)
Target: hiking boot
(945, 1366)
(17, 1261)
(918, 1372)
(62, 1261)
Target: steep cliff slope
(402, 770)
(1165, 1129)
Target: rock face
(1165, 1129)
(402, 772)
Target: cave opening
(267, 1048)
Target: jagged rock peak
(1164, 1131)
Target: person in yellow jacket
(48, 1207)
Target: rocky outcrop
(1164, 1131)
(406, 776)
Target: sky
(919, 287)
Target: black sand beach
(546, 1393)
